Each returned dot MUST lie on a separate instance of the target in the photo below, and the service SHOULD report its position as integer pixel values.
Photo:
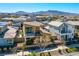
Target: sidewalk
(59, 47)
(62, 47)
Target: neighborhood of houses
(35, 36)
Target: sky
(34, 7)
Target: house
(63, 31)
(35, 33)
(76, 26)
(32, 33)
(7, 38)
(31, 29)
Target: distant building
(17, 21)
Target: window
(64, 37)
(29, 30)
(9, 41)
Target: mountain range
(49, 13)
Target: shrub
(29, 42)
(33, 54)
(72, 50)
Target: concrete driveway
(71, 54)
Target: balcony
(65, 31)
(32, 34)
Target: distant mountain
(55, 12)
(49, 13)
(21, 12)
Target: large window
(29, 30)
(64, 37)
(9, 41)
(64, 29)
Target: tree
(33, 54)
(23, 48)
(55, 17)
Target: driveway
(71, 54)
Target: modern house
(7, 37)
(76, 26)
(63, 31)
(31, 29)
(36, 33)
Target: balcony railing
(63, 31)
(33, 34)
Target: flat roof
(73, 22)
(33, 23)
(55, 23)
(11, 33)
